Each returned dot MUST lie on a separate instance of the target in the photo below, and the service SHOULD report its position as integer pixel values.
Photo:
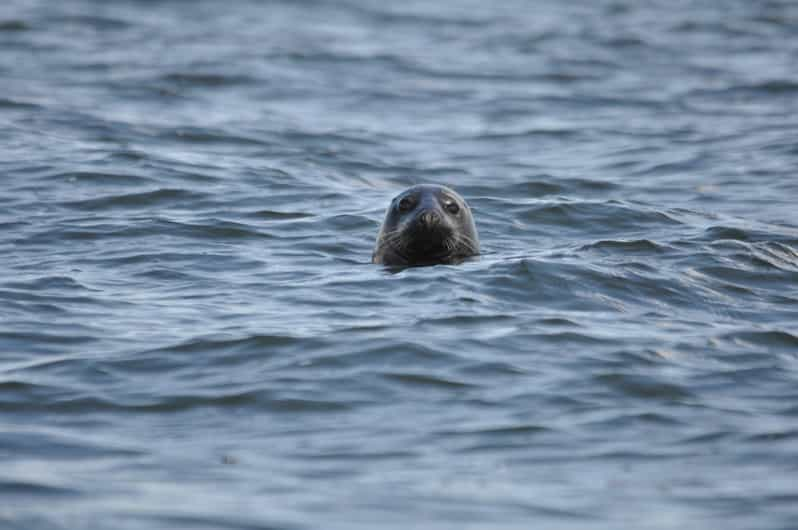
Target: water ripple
(192, 332)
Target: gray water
(192, 335)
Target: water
(191, 333)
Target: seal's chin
(421, 245)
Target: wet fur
(404, 241)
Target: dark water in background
(191, 333)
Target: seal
(426, 225)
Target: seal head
(426, 225)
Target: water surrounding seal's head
(426, 225)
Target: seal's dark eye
(405, 204)
(452, 207)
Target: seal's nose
(429, 218)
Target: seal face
(426, 225)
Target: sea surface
(192, 335)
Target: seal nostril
(429, 218)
